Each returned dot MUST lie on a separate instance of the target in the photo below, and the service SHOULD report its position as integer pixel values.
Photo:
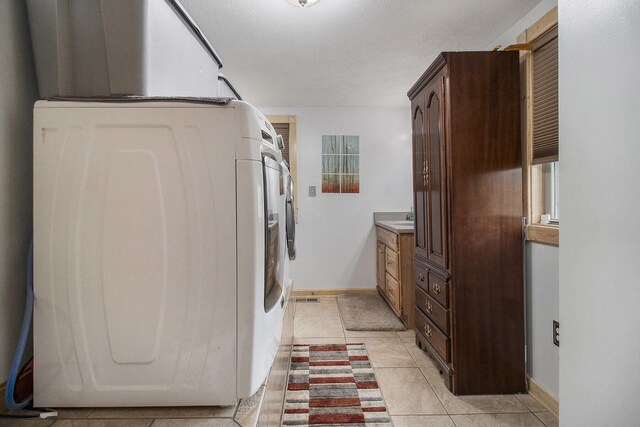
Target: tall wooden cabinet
(467, 183)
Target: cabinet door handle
(421, 277)
(429, 306)
(427, 331)
(436, 288)
(425, 173)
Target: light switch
(312, 191)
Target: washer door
(274, 249)
(290, 220)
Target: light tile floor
(410, 383)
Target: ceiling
(343, 52)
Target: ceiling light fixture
(303, 3)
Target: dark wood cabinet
(468, 263)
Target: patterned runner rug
(333, 385)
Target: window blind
(545, 98)
(283, 129)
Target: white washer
(159, 252)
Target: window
(542, 165)
(340, 164)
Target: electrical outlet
(312, 191)
(556, 333)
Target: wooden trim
(527, 131)
(544, 24)
(333, 292)
(279, 119)
(433, 69)
(293, 153)
(549, 234)
(543, 395)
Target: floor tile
(388, 353)
(531, 403)
(326, 326)
(316, 309)
(407, 392)
(73, 413)
(503, 403)
(186, 422)
(409, 333)
(422, 421)
(319, 340)
(248, 409)
(497, 420)
(165, 412)
(548, 418)
(421, 358)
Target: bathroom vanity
(394, 265)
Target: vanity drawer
(434, 311)
(391, 262)
(434, 336)
(387, 237)
(439, 289)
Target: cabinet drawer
(391, 262)
(421, 276)
(439, 289)
(435, 337)
(393, 293)
(387, 237)
(433, 310)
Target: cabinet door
(434, 171)
(419, 188)
(394, 295)
(380, 267)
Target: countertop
(395, 222)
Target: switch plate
(312, 191)
(556, 333)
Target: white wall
(542, 265)
(543, 357)
(335, 237)
(17, 93)
(600, 193)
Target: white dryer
(159, 253)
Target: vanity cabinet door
(393, 294)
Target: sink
(401, 223)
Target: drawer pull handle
(429, 306)
(436, 288)
(421, 277)
(427, 331)
(425, 173)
